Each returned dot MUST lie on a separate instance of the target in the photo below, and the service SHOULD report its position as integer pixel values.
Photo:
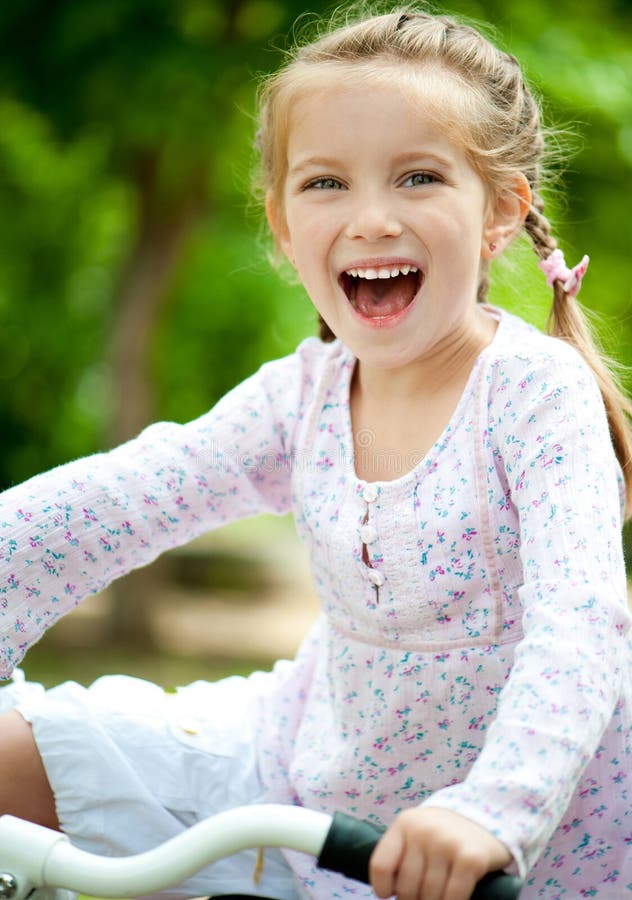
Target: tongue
(384, 296)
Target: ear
(506, 217)
(278, 226)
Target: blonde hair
(499, 126)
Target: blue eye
(324, 184)
(417, 179)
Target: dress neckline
(416, 472)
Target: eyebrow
(314, 162)
(416, 156)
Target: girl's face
(385, 220)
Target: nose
(372, 217)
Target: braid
(566, 319)
(539, 228)
(568, 322)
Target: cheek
(310, 239)
(461, 236)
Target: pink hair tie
(555, 269)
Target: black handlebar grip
(350, 843)
(348, 847)
(497, 886)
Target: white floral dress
(473, 646)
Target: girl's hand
(434, 854)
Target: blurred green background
(135, 282)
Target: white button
(370, 493)
(376, 577)
(368, 534)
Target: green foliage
(232, 313)
(62, 230)
(580, 57)
(97, 100)
(96, 96)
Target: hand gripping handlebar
(350, 843)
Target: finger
(385, 861)
(408, 879)
(463, 877)
(435, 878)
(459, 887)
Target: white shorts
(132, 766)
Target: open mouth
(381, 291)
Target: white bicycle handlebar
(35, 857)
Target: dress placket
(368, 535)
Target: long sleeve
(68, 533)
(549, 438)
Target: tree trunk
(163, 234)
(164, 229)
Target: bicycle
(41, 864)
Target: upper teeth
(382, 272)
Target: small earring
(492, 248)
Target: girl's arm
(68, 533)
(550, 436)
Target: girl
(458, 476)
